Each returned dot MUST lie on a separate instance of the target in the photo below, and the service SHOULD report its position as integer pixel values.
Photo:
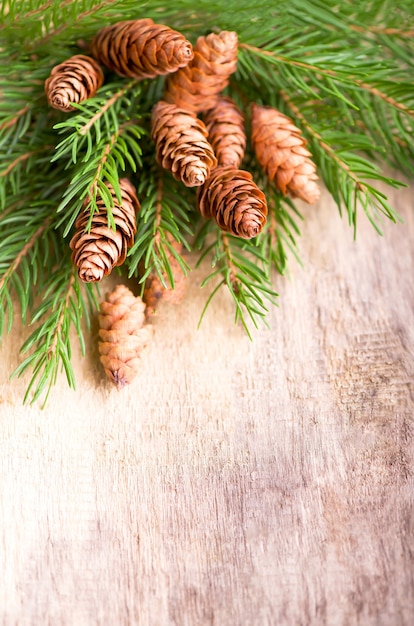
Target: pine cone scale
(231, 197)
(141, 49)
(281, 151)
(181, 144)
(225, 126)
(75, 80)
(197, 86)
(96, 252)
(122, 335)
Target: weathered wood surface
(234, 483)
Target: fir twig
(347, 78)
(346, 176)
(249, 286)
(163, 219)
(63, 306)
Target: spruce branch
(163, 219)
(23, 262)
(346, 76)
(14, 118)
(101, 114)
(279, 239)
(382, 30)
(345, 173)
(84, 130)
(64, 306)
(98, 156)
(11, 276)
(235, 262)
(111, 155)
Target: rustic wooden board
(234, 483)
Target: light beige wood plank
(234, 483)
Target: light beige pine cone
(97, 252)
(122, 335)
(225, 125)
(74, 80)
(141, 49)
(197, 86)
(232, 198)
(181, 144)
(281, 151)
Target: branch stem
(80, 17)
(106, 152)
(313, 68)
(326, 147)
(380, 30)
(85, 129)
(61, 318)
(158, 211)
(227, 252)
(22, 157)
(15, 118)
(23, 252)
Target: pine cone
(122, 335)
(74, 80)
(141, 49)
(181, 144)
(196, 86)
(225, 125)
(234, 200)
(95, 253)
(280, 150)
(155, 291)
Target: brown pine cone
(181, 144)
(232, 198)
(122, 336)
(225, 125)
(196, 86)
(74, 80)
(141, 49)
(97, 252)
(155, 291)
(280, 150)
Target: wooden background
(234, 483)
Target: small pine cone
(181, 144)
(122, 335)
(97, 252)
(74, 80)
(196, 86)
(225, 125)
(155, 291)
(280, 150)
(234, 200)
(141, 49)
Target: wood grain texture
(234, 483)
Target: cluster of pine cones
(203, 152)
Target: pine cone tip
(123, 335)
(232, 198)
(73, 81)
(181, 144)
(281, 151)
(141, 49)
(118, 377)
